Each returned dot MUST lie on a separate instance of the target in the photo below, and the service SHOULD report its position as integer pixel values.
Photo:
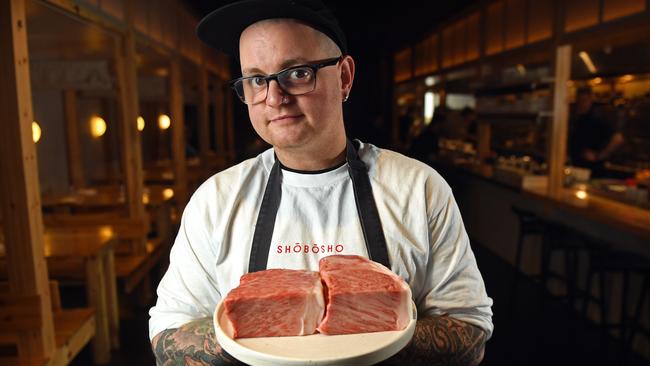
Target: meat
(350, 294)
(275, 302)
(362, 296)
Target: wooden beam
(96, 294)
(19, 186)
(75, 166)
(130, 141)
(204, 116)
(107, 139)
(88, 13)
(129, 100)
(178, 133)
(557, 143)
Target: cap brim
(222, 28)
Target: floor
(524, 336)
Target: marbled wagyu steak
(362, 296)
(275, 302)
(350, 294)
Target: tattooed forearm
(192, 344)
(443, 340)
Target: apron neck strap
(364, 200)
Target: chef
(315, 193)
(592, 139)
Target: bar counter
(486, 205)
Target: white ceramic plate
(316, 349)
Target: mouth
(286, 118)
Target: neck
(312, 161)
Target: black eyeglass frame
(315, 66)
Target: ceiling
(55, 35)
(378, 28)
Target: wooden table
(93, 249)
(102, 201)
(101, 198)
(105, 197)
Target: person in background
(593, 138)
(425, 144)
(471, 123)
(407, 119)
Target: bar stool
(555, 238)
(624, 263)
(529, 226)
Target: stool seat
(555, 238)
(623, 263)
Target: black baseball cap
(222, 28)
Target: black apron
(365, 202)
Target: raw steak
(362, 296)
(275, 302)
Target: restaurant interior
(114, 113)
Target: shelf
(515, 88)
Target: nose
(274, 94)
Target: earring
(284, 99)
(345, 98)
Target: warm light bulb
(581, 194)
(168, 193)
(588, 62)
(140, 122)
(97, 126)
(106, 231)
(164, 121)
(626, 78)
(596, 81)
(36, 131)
(145, 198)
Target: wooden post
(106, 140)
(178, 133)
(130, 141)
(96, 293)
(131, 151)
(19, 186)
(204, 116)
(75, 166)
(557, 144)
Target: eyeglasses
(295, 80)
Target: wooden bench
(131, 270)
(74, 328)
(86, 258)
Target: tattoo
(191, 344)
(442, 340)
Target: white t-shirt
(317, 217)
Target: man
(314, 190)
(592, 138)
(470, 123)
